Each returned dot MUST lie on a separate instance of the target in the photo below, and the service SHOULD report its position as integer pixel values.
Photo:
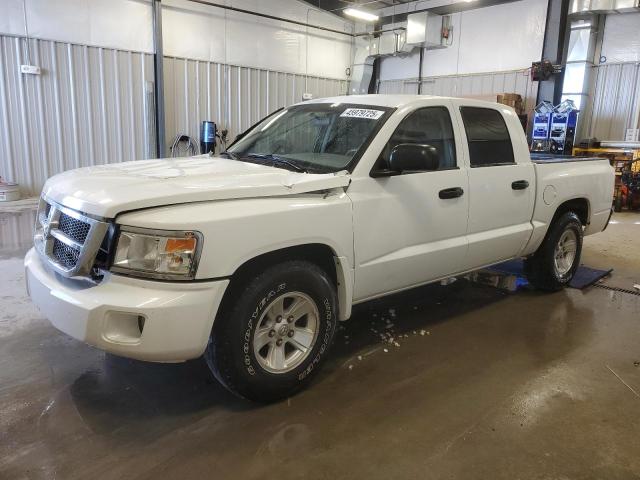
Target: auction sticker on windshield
(362, 113)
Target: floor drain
(617, 289)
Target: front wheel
(553, 265)
(272, 338)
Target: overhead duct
(362, 69)
(425, 30)
(421, 30)
(604, 6)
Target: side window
(488, 137)
(426, 126)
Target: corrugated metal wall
(482, 85)
(616, 101)
(16, 230)
(233, 97)
(92, 106)
(88, 107)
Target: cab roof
(391, 100)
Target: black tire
(230, 353)
(540, 268)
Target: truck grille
(68, 240)
(66, 256)
(75, 229)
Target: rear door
(501, 185)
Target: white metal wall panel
(616, 101)
(118, 24)
(621, 41)
(483, 40)
(16, 230)
(210, 34)
(234, 97)
(482, 86)
(391, 86)
(88, 107)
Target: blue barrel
(207, 137)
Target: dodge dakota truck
(251, 257)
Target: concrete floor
(483, 384)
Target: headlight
(164, 254)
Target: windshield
(315, 136)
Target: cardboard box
(513, 100)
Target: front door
(411, 228)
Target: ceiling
(337, 6)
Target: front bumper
(141, 319)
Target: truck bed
(548, 158)
(561, 178)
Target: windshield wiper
(277, 159)
(230, 155)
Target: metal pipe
(374, 32)
(26, 30)
(158, 68)
(271, 17)
(420, 71)
(619, 144)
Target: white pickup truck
(251, 257)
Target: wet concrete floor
(476, 383)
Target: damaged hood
(108, 190)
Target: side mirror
(414, 157)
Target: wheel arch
(320, 254)
(578, 205)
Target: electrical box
(424, 29)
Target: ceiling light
(361, 14)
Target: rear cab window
(487, 136)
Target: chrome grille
(67, 239)
(66, 256)
(73, 228)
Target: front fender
(236, 231)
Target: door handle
(520, 185)
(451, 193)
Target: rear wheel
(553, 265)
(272, 338)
